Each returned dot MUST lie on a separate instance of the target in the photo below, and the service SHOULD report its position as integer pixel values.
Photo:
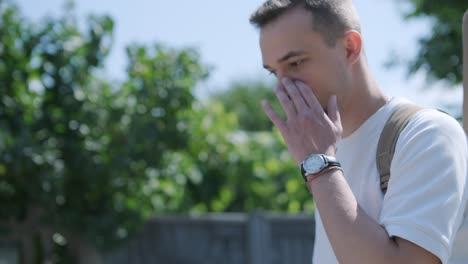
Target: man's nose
(280, 76)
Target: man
(335, 108)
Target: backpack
(389, 137)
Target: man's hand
(307, 128)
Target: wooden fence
(257, 238)
(228, 238)
(8, 252)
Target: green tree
(244, 98)
(440, 53)
(76, 153)
(232, 170)
(84, 162)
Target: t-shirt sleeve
(425, 193)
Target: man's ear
(353, 45)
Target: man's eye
(296, 64)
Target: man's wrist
(313, 180)
(312, 177)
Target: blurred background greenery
(85, 161)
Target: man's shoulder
(432, 134)
(435, 123)
(424, 122)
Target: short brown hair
(330, 17)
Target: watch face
(314, 164)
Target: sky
(220, 31)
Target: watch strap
(329, 162)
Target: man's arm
(355, 237)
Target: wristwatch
(316, 163)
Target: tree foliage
(236, 170)
(440, 53)
(84, 162)
(75, 151)
(243, 98)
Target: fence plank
(258, 238)
(8, 252)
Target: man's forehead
(276, 47)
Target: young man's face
(291, 48)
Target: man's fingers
(309, 97)
(274, 117)
(295, 94)
(285, 101)
(333, 112)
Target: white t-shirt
(426, 198)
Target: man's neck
(366, 100)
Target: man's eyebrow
(290, 55)
(286, 57)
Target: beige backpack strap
(389, 137)
(465, 72)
